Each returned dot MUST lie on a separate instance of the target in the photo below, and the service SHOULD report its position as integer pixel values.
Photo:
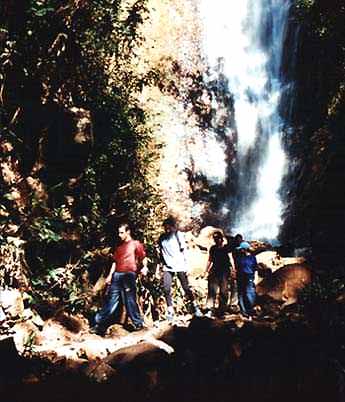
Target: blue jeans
(167, 282)
(123, 286)
(246, 293)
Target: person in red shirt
(128, 258)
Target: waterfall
(248, 36)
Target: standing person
(219, 270)
(172, 248)
(128, 257)
(234, 243)
(237, 240)
(245, 268)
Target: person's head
(124, 232)
(170, 224)
(218, 237)
(244, 247)
(238, 239)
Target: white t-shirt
(173, 247)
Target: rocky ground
(277, 355)
(192, 359)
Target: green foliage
(12, 272)
(326, 18)
(62, 285)
(41, 8)
(29, 344)
(151, 297)
(78, 54)
(152, 283)
(44, 230)
(305, 4)
(324, 289)
(322, 305)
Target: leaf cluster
(77, 53)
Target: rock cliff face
(313, 107)
(190, 111)
(78, 149)
(315, 216)
(182, 105)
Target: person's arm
(232, 261)
(110, 275)
(208, 265)
(209, 261)
(160, 254)
(141, 258)
(232, 266)
(183, 249)
(144, 269)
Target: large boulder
(143, 355)
(12, 364)
(100, 371)
(54, 332)
(273, 260)
(141, 367)
(204, 239)
(270, 259)
(12, 302)
(285, 283)
(26, 336)
(197, 249)
(211, 342)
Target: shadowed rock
(285, 283)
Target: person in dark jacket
(246, 265)
(218, 270)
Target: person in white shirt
(172, 248)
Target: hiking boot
(96, 329)
(170, 316)
(138, 327)
(234, 309)
(197, 312)
(130, 327)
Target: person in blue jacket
(245, 270)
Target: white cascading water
(248, 35)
